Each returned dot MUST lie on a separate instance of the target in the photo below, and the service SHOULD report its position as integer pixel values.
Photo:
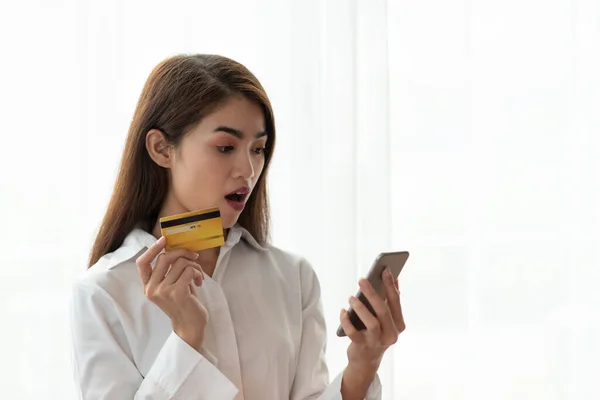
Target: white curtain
(465, 132)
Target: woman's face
(218, 163)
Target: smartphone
(395, 262)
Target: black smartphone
(395, 262)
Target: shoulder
(290, 265)
(289, 260)
(269, 254)
(116, 272)
(297, 266)
(99, 279)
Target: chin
(229, 218)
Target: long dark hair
(179, 92)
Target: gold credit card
(194, 231)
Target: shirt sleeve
(311, 381)
(104, 368)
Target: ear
(159, 148)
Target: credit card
(193, 231)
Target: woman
(243, 321)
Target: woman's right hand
(170, 287)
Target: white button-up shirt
(265, 339)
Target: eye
(224, 149)
(259, 150)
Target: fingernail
(196, 255)
(352, 300)
(161, 240)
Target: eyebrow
(237, 133)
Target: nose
(244, 167)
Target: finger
(165, 261)
(143, 261)
(393, 300)
(145, 271)
(171, 256)
(199, 278)
(349, 329)
(370, 321)
(382, 310)
(177, 269)
(152, 252)
(185, 280)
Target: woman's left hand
(369, 345)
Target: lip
(238, 205)
(241, 190)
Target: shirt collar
(139, 240)
(238, 232)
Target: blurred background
(466, 132)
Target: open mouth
(237, 197)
